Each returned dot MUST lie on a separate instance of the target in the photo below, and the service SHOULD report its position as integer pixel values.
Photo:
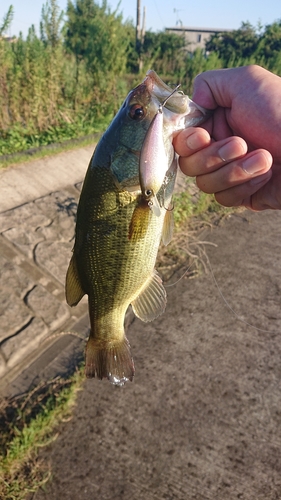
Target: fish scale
(118, 270)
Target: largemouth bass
(122, 214)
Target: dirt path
(202, 418)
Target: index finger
(190, 140)
(213, 156)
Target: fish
(122, 214)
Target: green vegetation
(70, 79)
(65, 82)
(249, 45)
(18, 139)
(198, 204)
(28, 424)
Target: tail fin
(110, 360)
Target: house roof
(197, 29)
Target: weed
(28, 423)
(18, 138)
(194, 203)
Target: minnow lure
(153, 159)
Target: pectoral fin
(152, 300)
(140, 220)
(73, 288)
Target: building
(195, 37)
(10, 39)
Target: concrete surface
(37, 218)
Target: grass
(55, 140)
(29, 155)
(27, 424)
(193, 211)
(192, 203)
(33, 154)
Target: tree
(96, 35)
(7, 20)
(50, 24)
(165, 51)
(100, 43)
(234, 45)
(269, 46)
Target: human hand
(246, 102)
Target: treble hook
(170, 209)
(167, 98)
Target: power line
(158, 12)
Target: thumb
(213, 88)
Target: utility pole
(143, 25)
(138, 28)
(140, 34)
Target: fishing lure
(152, 159)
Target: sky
(161, 14)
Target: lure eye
(136, 112)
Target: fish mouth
(177, 103)
(188, 112)
(153, 79)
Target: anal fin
(73, 288)
(152, 300)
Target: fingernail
(251, 166)
(194, 141)
(260, 178)
(226, 152)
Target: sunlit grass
(23, 157)
(194, 203)
(18, 147)
(34, 424)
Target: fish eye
(136, 112)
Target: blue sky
(163, 13)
